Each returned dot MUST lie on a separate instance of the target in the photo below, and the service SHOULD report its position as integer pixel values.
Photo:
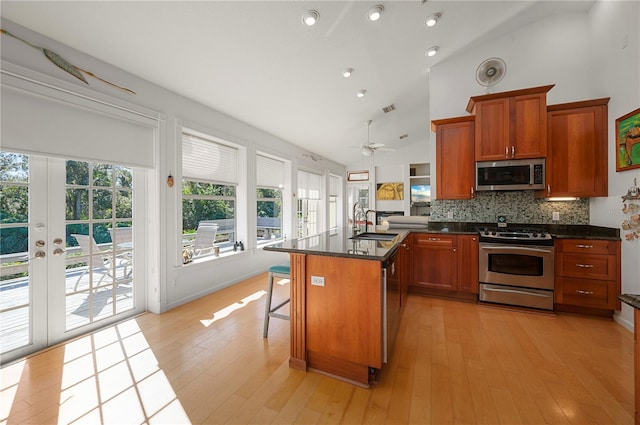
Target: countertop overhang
(338, 243)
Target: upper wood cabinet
(455, 163)
(577, 149)
(510, 125)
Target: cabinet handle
(434, 239)
(513, 151)
(585, 266)
(472, 195)
(506, 151)
(454, 250)
(580, 291)
(584, 246)
(548, 189)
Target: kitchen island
(634, 301)
(346, 299)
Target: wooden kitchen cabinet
(577, 149)
(468, 263)
(435, 262)
(510, 125)
(587, 275)
(455, 163)
(404, 263)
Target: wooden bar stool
(282, 271)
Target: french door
(68, 263)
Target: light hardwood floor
(206, 362)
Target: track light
(433, 19)
(375, 13)
(310, 18)
(432, 51)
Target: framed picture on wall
(628, 141)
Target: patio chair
(100, 264)
(205, 237)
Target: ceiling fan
(369, 148)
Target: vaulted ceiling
(257, 62)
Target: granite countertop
(631, 299)
(337, 243)
(559, 231)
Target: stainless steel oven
(516, 268)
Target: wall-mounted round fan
(490, 72)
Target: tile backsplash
(516, 206)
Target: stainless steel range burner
(523, 236)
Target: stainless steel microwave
(515, 174)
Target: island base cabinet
(636, 363)
(344, 316)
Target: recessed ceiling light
(310, 18)
(361, 93)
(433, 19)
(375, 12)
(432, 51)
(346, 73)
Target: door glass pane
(99, 227)
(15, 300)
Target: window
(269, 184)
(308, 206)
(209, 186)
(334, 194)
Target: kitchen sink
(371, 236)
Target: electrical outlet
(317, 280)
(450, 214)
(556, 216)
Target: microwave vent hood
(513, 174)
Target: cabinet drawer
(587, 266)
(586, 246)
(586, 293)
(434, 239)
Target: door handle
(38, 255)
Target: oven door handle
(512, 291)
(518, 248)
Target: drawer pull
(434, 239)
(581, 292)
(584, 246)
(585, 266)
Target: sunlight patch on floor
(222, 313)
(112, 376)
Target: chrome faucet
(358, 211)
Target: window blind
(269, 172)
(208, 160)
(309, 185)
(45, 121)
(334, 184)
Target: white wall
(614, 53)
(173, 284)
